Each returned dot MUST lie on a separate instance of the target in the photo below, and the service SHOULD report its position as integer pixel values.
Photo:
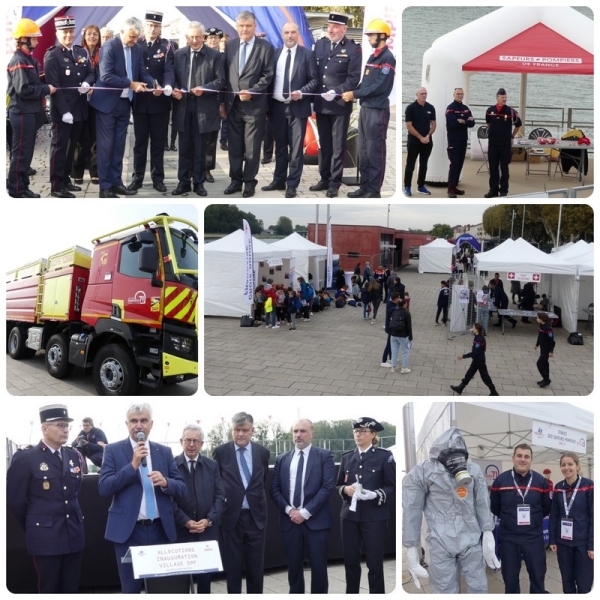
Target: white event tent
(306, 257)
(436, 257)
(224, 261)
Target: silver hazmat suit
(456, 516)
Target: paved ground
(29, 377)
(41, 181)
(338, 353)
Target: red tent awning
(538, 49)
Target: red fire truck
(128, 310)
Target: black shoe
(167, 147)
(332, 192)
(77, 181)
(273, 186)
(64, 193)
(544, 383)
(208, 177)
(502, 195)
(134, 186)
(514, 324)
(493, 392)
(459, 192)
(31, 172)
(232, 188)
(319, 187)
(248, 191)
(223, 145)
(266, 160)
(107, 193)
(452, 195)
(372, 195)
(159, 186)
(96, 180)
(491, 194)
(540, 382)
(199, 189)
(121, 190)
(29, 194)
(182, 188)
(457, 388)
(72, 188)
(359, 193)
(173, 148)
(290, 192)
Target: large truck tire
(15, 345)
(57, 357)
(115, 372)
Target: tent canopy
(232, 246)
(306, 257)
(299, 245)
(580, 254)
(436, 257)
(467, 237)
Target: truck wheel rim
(111, 375)
(55, 356)
(13, 343)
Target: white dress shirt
(293, 472)
(279, 72)
(143, 513)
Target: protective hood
(451, 438)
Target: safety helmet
(378, 26)
(26, 28)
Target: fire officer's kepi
(338, 18)
(501, 92)
(154, 17)
(64, 23)
(54, 412)
(368, 422)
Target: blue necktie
(244, 466)
(243, 59)
(298, 486)
(151, 511)
(129, 69)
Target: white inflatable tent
(436, 257)
(224, 272)
(533, 39)
(307, 257)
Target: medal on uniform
(43, 467)
(523, 514)
(46, 485)
(71, 463)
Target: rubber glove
(68, 118)
(329, 96)
(414, 566)
(366, 495)
(85, 88)
(489, 550)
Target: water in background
(421, 26)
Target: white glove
(365, 495)
(68, 118)
(167, 90)
(489, 550)
(329, 96)
(414, 566)
(85, 88)
(354, 500)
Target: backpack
(310, 290)
(397, 322)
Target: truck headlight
(182, 344)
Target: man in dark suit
(244, 466)
(302, 483)
(43, 486)
(140, 514)
(90, 441)
(197, 515)
(67, 67)
(339, 64)
(249, 70)
(150, 112)
(295, 75)
(197, 68)
(122, 68)
(366, 483)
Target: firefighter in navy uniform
(25, 92)
(545, 342)
(339, 63)
(367, 484)
(503, 123)
(151, 110)
(66, 66)
(374, 93)
(43, 486)
(458, 121)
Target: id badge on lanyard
(523, 514)
(566, 529)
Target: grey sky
(402, 216)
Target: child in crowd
(293, 305)
(279, 300)
(406, 301)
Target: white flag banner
(248, 265)
(559, 437)
(329, 255)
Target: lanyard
(564, 491)
(526, 489)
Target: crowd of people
(161, 499)
(249, 86)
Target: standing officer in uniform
(150, 111)
(338, 61)
(500, 120)
(521, 499)
(458, 120)
(66, 66)
(43, 486)
(25, 92)
(197, 514)
(366, 482)
(374, 92)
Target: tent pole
(558, 231)
(317, 226)
(410, 453)
(523, 100)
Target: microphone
(142, 438)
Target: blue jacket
(582, 513)
(477, 350)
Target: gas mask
(455, 462)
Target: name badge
(523, 514)
(566, 529)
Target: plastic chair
(541, 153)
(482, 134)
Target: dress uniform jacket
(376, 473)
(501, 124)
(378, 80)
(582, 513)
(458, 131)
(339, 70)
(159, 63)
(64, 69)
(43, 496)
(25, 89)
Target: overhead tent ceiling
(538, 49)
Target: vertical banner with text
(329, 255)
(248, 265)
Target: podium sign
(175, 559)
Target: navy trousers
(24, 128)
(576, 569)
(534, 556)
(333, 132)
(58, 574)
(499, 156)
(111, 135)
(289, 132)
(372, 133)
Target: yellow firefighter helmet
(378, 26)
(26, 28)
